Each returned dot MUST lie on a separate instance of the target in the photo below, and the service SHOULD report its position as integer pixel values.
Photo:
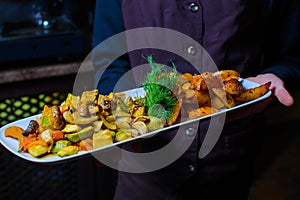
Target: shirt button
(190, 131)
(193, 7)
(191, 50)
(191, 168)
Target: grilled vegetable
(47, 136)
(14, 132)
(84, 120)
(217, 103)
(175, 113)
(139, 111)
(202, 111)
(56, 118)
(122, 135)
(59, 145)
(97, 125)
(32, 128)
(71, 102)
(89, 96)
(233, 86)
(68, 150)
(102, 138)
(226, 98)
(140, 127)
(82, 134)
(203, 97)
(38, 150)
(69, 117)
(122, 125)
(253, 93)
(104, 102)
(71, 128)
(108, 125)
(225, 74)
(155, 123)
(52, 118)
(57, 135)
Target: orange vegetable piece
(14, 132)
(26, 141)
(37, 142)
(57, 135)
(86, 145)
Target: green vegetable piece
(72, 101)
(155, 123)
(112, 133)
(69, 97)
(122, 135)
(68, 151)
(38, 150)
(60, 144)
(82, 134)
(71, 128)
(45, 122)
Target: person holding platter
(259, 39)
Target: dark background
(24, 45)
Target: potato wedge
(203, 98)
(233, 86)
(175, 113)
(211, 81)
(186, 86)
(253, 93)
(226, 73)
(231, 77)
(139, 111)
(188, 94)
(226, 98)
(185, 77)
(198, 83)
(202, 111)
(217, 103)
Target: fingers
(255, 79)
(277, 87)
(283, 96)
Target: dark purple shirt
(230, 31)
(246, 35)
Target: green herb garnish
(158, 85)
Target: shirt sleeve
(282, 56)
(108, 22)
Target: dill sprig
(158, 85)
